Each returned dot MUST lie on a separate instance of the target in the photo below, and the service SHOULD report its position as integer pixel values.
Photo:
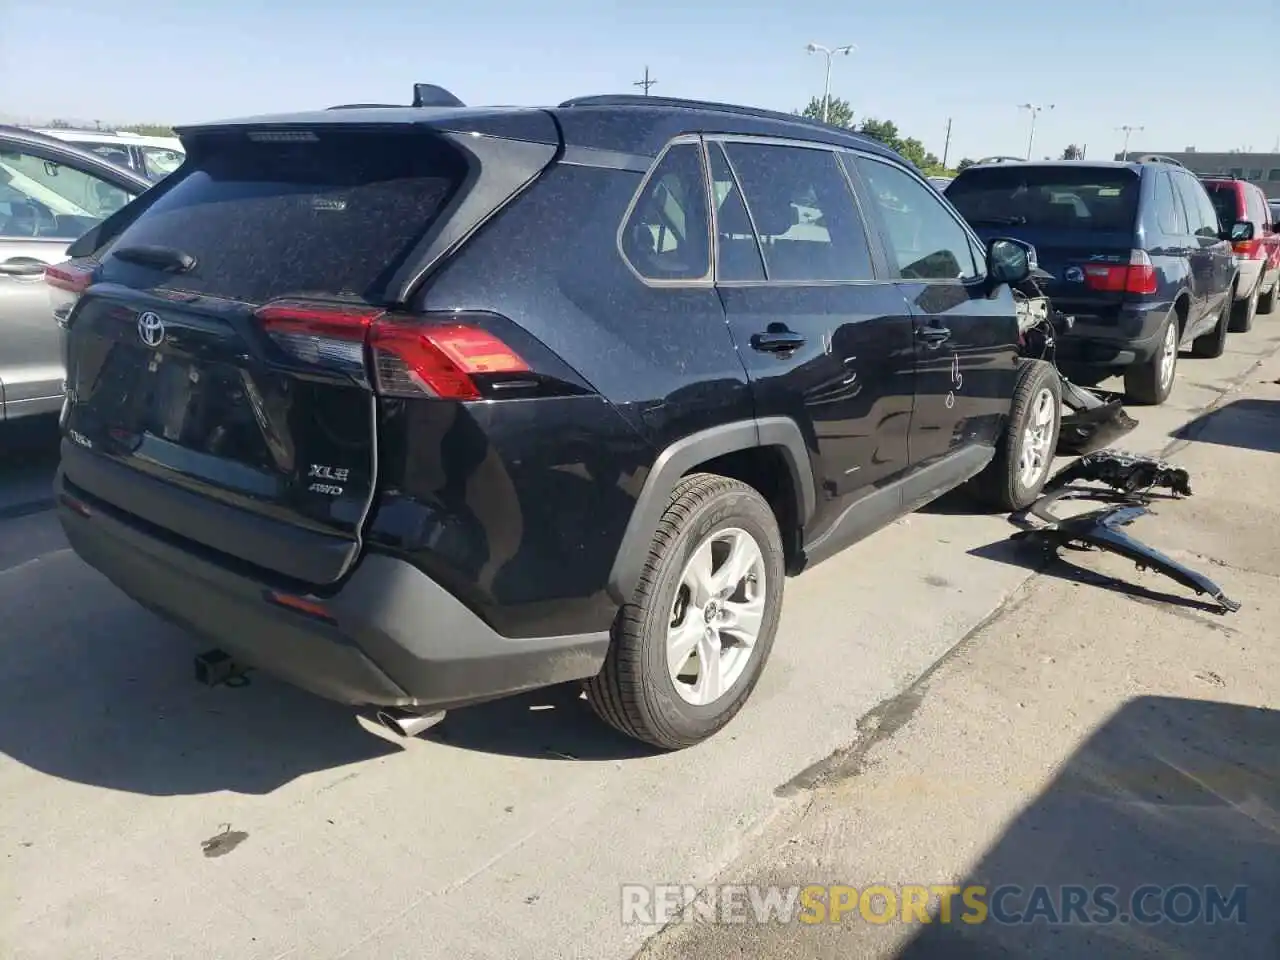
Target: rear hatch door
(262, 435)
(1082, 221)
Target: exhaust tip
(406, 724)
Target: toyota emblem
(150, 329)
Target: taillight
(67, 281)
(411, 356)
(1248, 250)
(1138, 276)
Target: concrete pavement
(143, 816)
(1106, 728)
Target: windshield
(1054, 197)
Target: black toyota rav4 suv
(421, 406)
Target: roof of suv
(605, 110)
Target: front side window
(926, 242)
(1202, 215)
(666, 236)
(804, 213)
(43, 199)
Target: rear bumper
(394, 637)
(1131, 336)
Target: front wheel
(1151, 382)
(1016, 476)
(689, 648)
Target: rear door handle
(22, 267)
(776, 341)
(934, 336)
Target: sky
(1164, 65)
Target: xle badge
(320, 473)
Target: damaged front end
(1091, 420)
(1132, 480)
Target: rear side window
(803, 211)
(1057, 197)
(737, 253)
(1168, 208)
(1226, 201)
(666, 235)
(1255, 207)
(331, 217)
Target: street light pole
(1128, 130)
(1035, 109)
(830, 53)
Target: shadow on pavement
(1181, 797)
(1246, 423)
(555, 723)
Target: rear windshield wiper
(162, 258)
(999, 221)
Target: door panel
(46, 201)
(965, 334)
(824, 342)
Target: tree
(150, 129)
(965, 164)
(1072, 153)
(886, 131)
(839, 112)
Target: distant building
(1262, 169)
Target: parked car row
(153, 157)
(1149, 259)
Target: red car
(1259, 256)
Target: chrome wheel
(1168, 356)
(1035, 454)
(716, 617)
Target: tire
(1004, 483)
(1267, 302)
(1143, 382)
(635, 692)
(1214, 343)
(1243, 312)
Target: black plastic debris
(1132, 479)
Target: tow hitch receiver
(1132, 479)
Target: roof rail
(363, 106)
(1000, 159)
(680, 103)
(1157, 158)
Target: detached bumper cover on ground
(1132, 478)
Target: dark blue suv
(1136, 252)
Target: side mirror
(1241, 232)
(1010, 261)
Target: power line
(646, 83)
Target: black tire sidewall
(737, 507)
(1041, 377)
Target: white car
(153, 157)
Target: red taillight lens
(1248, 250)
(412, 356)
(1138, 276)
(67, 281)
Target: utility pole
(1035, 109)
(1124, 155)
(946, 145)
(829, 53)
(646, 83)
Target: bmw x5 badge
(1073, 274)
(150, 329)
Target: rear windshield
(332, 217)
(1050, 197)
(1225, 201)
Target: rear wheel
(1243, 311)
(689, 648)
(1151, 382)
(1015, 477)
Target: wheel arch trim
(679, 458)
